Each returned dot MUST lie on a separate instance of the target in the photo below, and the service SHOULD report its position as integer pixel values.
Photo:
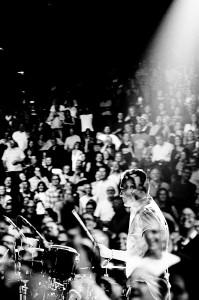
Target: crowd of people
(72, 158)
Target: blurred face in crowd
(138, 128)
(33, 159)
(155, 174)
(99, 157)
(107, 130)
(8, 182)
(9, 241)
(3, 227)
(115, 166)
(2, 190)
(122, 241)
(118, 157)
(51, 230)
(97, 176)
(88, 189)
(120, 116)
(12, 144)
(41, 187)
(102, 173)
(22, 177)
(110, 192)
(187, 218)
(8, 206)
(68, 196)
(55, 180)
(89, 221)
(48, 161)
(37, 172)
(66, 169)
(159, 140)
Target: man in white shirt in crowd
(71, 140)
(102, 185)
(13, 157)
(21, 137)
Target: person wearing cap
(145, 216)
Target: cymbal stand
(23, 283)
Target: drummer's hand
(104, 251)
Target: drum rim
(70, 249)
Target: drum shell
(60, 261)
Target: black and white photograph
(99, 150)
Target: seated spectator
(147, 153)
(115, 173)
(25, 191)
(56, 151)
(189, 142)
(161, 155)
(95, 165)
(126, 147)
(164, 202)
(108, 146)
(85, 163)
(118, 125)
(120, 220)
(49, 165)
(85, 199)
(20, 137)
(120, 159)
(131, 117)
(107, 133)
(157, 127)
(37, 178)
(108, 158)
(69, 122)
(104, 210)
(71, 140)
(182, 191)
(91, 207)
(40, 197)
(87, 140)
(187, 247)
(139, 140)
(55, 195)
(77, 177)
(13, 157)
(76, 154)
(67, 172)
(175, 153)
(156, 182)
(56, 117)
(101, 186)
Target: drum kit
(40, 270)
(53, 274)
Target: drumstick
(83, 225)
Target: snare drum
(60, 261)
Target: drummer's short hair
(131, 174)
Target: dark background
(74, 46)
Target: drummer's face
(127, 191)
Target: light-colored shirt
(104, 210)
(70, 141)
(162, 152)
(21, 138)
(10, 155)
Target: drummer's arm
(111, 253)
